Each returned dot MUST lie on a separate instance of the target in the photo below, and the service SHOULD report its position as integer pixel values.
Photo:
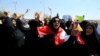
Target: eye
(89, 28)
(57, 21)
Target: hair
(33, 24)
(83, 24)
(6, 13)
(51, 24)
(92, 25)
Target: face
(89, 30)
(75, 32)
(56, 23)
(14, 22)
(37, 16)
(6, 14)
(15, 16)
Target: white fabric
(64, 36)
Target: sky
(89, 8)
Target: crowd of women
(53, 37)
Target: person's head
(6, 13)
(46, 21)
(14, 22)
(83, 24)
(14, 16)
(55, 23)
(90, 29)
(33, 24)
(76, 29)
(37, 16)
(75, 32)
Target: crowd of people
(54, 36)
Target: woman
(48, 36)
(59, 36)
(90, 38)
(75, 42)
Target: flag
(60, 37)
(79, 18)
(26, 11)
(78, 37)
(80, 40)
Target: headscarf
(60, 35)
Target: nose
(56, 22)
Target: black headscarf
(91, 40)
(51, 24)
(93, 26)
(83, 24)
